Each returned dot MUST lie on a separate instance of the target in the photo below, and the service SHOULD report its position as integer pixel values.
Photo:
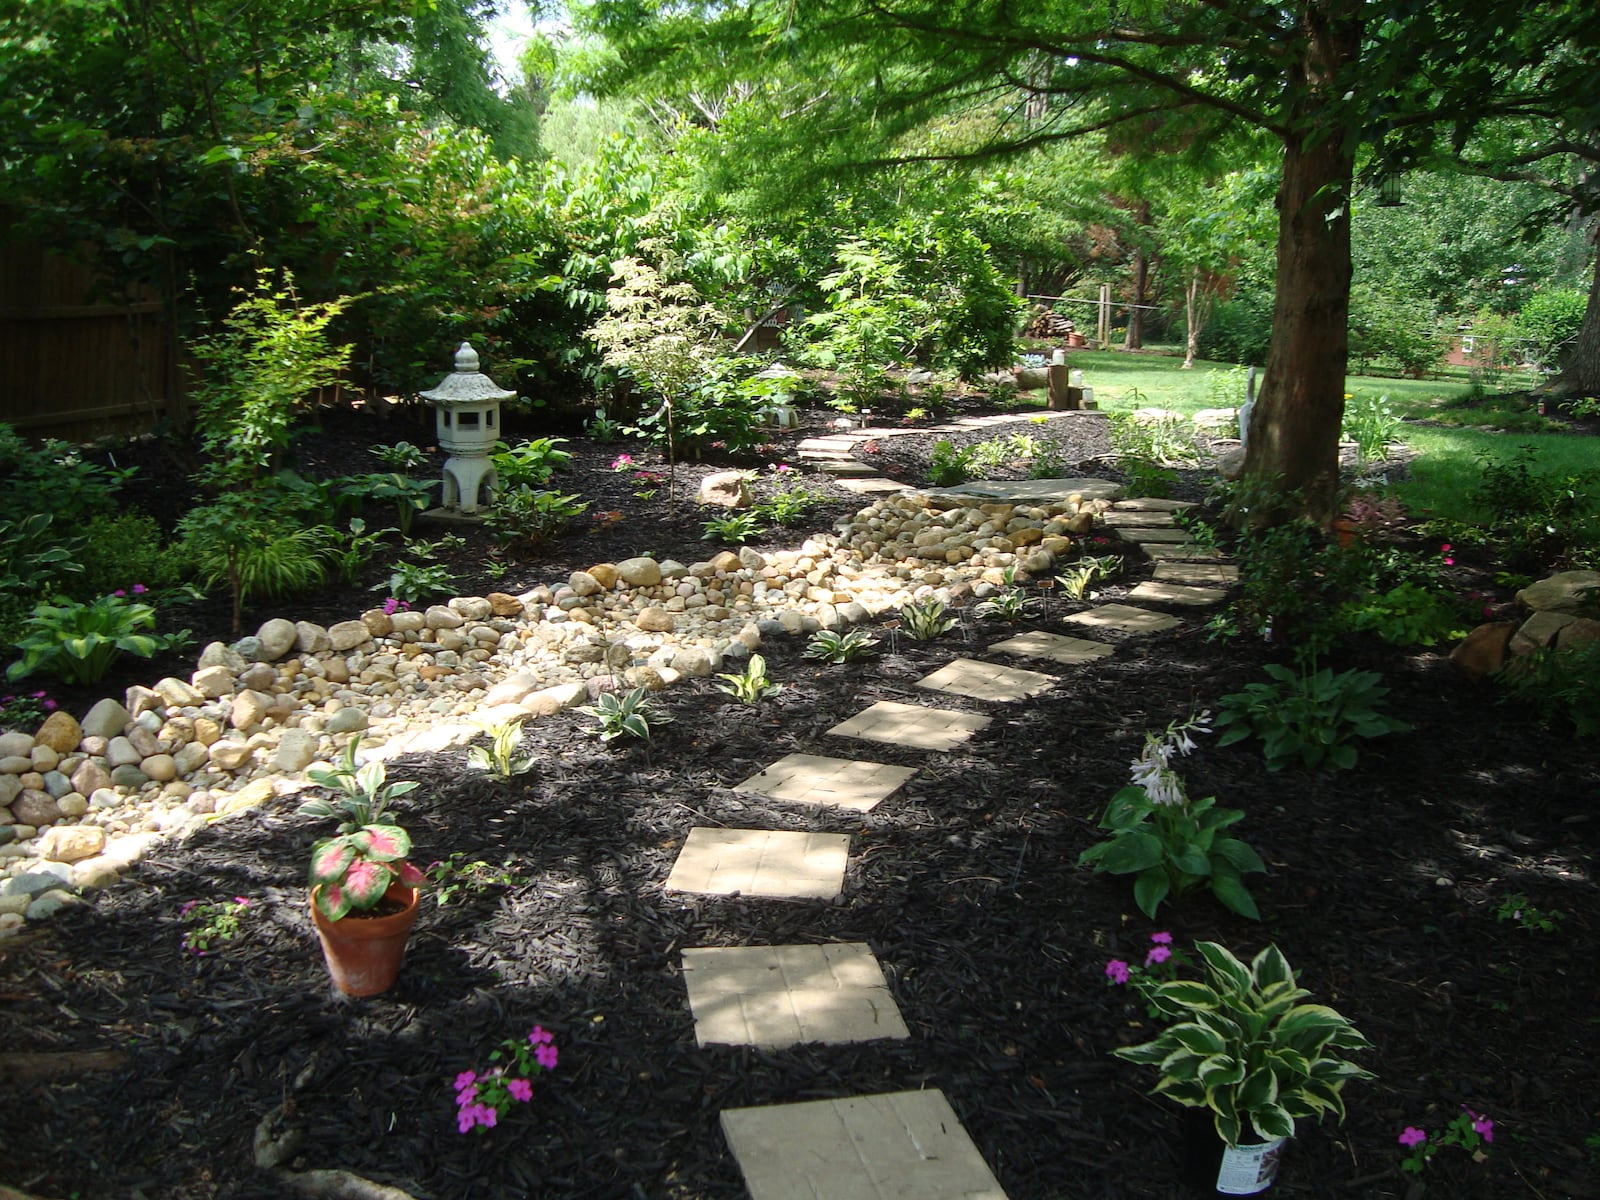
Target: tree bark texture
(1294, 430)
(1580, 376)
(1134, 340)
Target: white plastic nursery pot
(1211, 1168)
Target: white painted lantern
(468, 425)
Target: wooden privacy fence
(75, 362)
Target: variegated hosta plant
(1247, 1049)
(355, 868)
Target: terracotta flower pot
(363, 952)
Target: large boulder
(1567, 591)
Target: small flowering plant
(212, 921)
(354, 869)
(26, 712)
(1161, 965)
(1470, 1130)
(1168, 842)
(482, 1099)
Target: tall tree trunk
(1581, 374)
(1294, 430)
(1191, 318)
(1141, 286)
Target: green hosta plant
(1245, 1047)
(400, 457)
(500, 758)
(352, 870)
(926, 619)
(78, 642)
(628, 715)
(734, 529)
(416, 582)
(1310, 716)
(749, 685)
(1168, 842)
(523, 518)
(833, 647)
(408, 496)
(948, 466)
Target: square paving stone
(1155, 591)
(1152, 504)
(1126, 618)
(911, 725)
(836, 782)
(1133, 519)
(1054, 646)
(987, 681)
(1173, 536)
(761, 862)
(778, 996)
(1197, 572)
(895, 1146)
(1188, 552)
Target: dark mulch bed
(1383, 892)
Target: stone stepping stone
(902, 724)
(1034, 490)
(776, 996)
(761, 862)
(1197, 572)
(1156, 592)
(987, 681)
(832, 444)
(1189, 552)
(842, 467)
(871, 485)
(1126, 618)
(1152, 504)
(1133, 520)
(893, 1146)
(1173, 536)
(835, 782)
(1054, 646)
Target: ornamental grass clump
(1244, 1047)
(1168, 842)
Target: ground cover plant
(1385, 885)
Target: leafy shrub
(53, 478)
(79, 642)
(948, 466)
(1408, 614)
(1400, 332)
(734, 529)
(1539, 514)
(1372, 425)
(1551, 318)
(128, 548)
(1308, 716)
(523, 519)
(1561, 684)
(254, 552)
(529, 464)
(413, 583)
(1239, 330)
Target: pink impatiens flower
(1481, 1125)
(1158, 954)
(546, 1056)
(1411, 1137)
(520, 1089)
(1161, 939)
(1117, 971)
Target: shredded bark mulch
(1386, 889)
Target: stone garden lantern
(468, 425)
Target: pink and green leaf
(330, 859)
(333, 901)
(382, 843)
(410, 874)
(366, 882)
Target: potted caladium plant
(364, 891)
(1247, 1053)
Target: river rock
(655, 620)
(90, 777)
(60, 731)
(213, 682)
(348, 719)
(106, 719)
(297, 750)
(230, 755)
(309, 637)
(17, 745)
(160, 767)
(249, 709)
(1566, 591)
(726, 489)
(35, 808)
(347, 635)
(120, 752)
(639, 572)
(276, 637)
(69, 843)
(503, 605)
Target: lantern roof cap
(466, 384)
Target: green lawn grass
(1447, 466)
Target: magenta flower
(1411, 1137)
(465, 1080)
(622, 462)
(466, 1119)
(520, 1089)
(1449, 562)
(783, 468)
(1481, 1125)
(1158, 954)
(139, 589)
(488, 1116)
(1161, 939)
(547, 1057)
(1117, 971)
(540, 1036)
(119, 592)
